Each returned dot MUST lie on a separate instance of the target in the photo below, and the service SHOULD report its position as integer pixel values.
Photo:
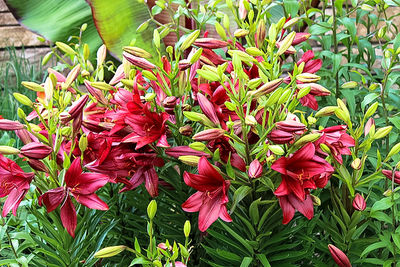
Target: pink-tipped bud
(184, 64)
(300, 37)
(209, 134)
(339, 257)
(255, 169)
(280, 137)
(118, 76)
(38, 165)
(186, 130)
(96, 93)
(208, 108)
(359, 202)
(390, 176)
(290, 126)
(77, 107)
(178, 151)
(368, 126)
(210, 43)
(316, 89)
(24, 135)
(36, 150)
(7, 125)
(138, 61)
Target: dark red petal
(12, 201)
(209, 212)
(91, 201)
(151, 182)
(68, 216)
(193, 203)
(52, 198)
(88, 183)
(304, 207)
(224, 215)
(287, 209)
(73, 172)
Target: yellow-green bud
(65, 48)
(8, 150)
(356, 164)
(303, 92)
(23, 99)
(286, 43)
(190, 160)
(33, 86)
(186, 228)
(325, 148)
(190, 40)
(250, 120)
(109, 251)
(149, 75)
(350, 84)
(371, 110)
(83, 143)
(152, 209)
(309, 138)
(395, 150)
(308, 77)
(276, 149)
(47, 57)
(221, 31)
(254, 51)
(382, 132)
(198, 146)
(239, 33)
(326, 111)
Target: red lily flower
(301, 171)
(147, 129)
(212, 195)
(82, 186)
(337, 140)
(14, 183)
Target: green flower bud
(276, 149)
(109, 251)
(24, 100)
(190, 40)
(186, 228)
(65, 48)
(371, 110)
(382, 132)
(152, 209)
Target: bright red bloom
(147, 128)
(14, 183)
(300, 171)
(82, 186)
(337, 140)
(212, 195)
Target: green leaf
(263, 259)
(291, 7)
(383, 204)
(117, 21)
(373, 247)
(238, 238)
(381, 216)
(239, 194)
(246, 262)
(62, 19)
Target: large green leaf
(117, 21)
(56, 20)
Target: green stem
(335, 44)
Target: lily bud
(24, 100)
(210, 43)
(255, 169)
(250, 120)
(339, 257)
(152, 209)
(190, 39)
(290, 126)
(178, 151)
(138, 61)
(186, 228)
(368, 126)
(8, 125)
(109, 251)
(359, 202)
(96, 93)
(356, 164)
(308, 78)
(78, 106)
(277, 150)
(101, 55)
(260, 33)
(190, 160)
(36, 150)
(326, 111)
(309, 138)
(186, 130)
(300, 37)
(382, 132)
(389, 175)
(8, 150)
(286, 43)
(395, 150)
(209, 134)
(266, 88)
(136, 51)
(208, 108)
(349, 85)
(33, 86)
(371, 110)
(65, 48)
(72, 75)
(38, 165)
(280, 137)
(239, 33)
(316, 200)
